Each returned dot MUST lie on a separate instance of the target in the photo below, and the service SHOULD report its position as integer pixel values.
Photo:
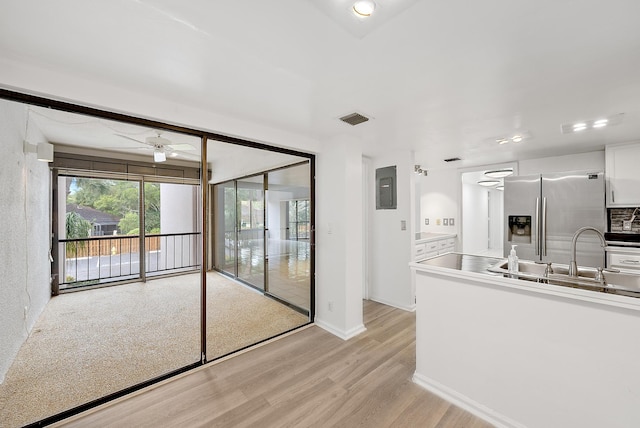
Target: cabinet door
(623, 177)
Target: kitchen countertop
(431, 236)
(464, 262)
(466, 267)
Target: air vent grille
(452, 159)
(354, 119)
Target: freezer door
(521, 216)
(571, 201)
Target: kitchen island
(525, 354)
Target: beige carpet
(92, 343)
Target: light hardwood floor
(308, 379)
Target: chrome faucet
(573, 266)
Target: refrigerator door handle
(544, 227)
(537, 232)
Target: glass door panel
(99, 239)
(251, 229)
(289, 250)
(225, 250)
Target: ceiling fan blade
(182, 146)
(133, 139)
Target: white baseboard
(464, 402)
(342, 334)
(410, 308)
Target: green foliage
(76, 227)
(119, 198)
(128, 223)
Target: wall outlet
(403, 224)
(426, 222)
(450, 222)
(445, 221)
(438, 221)
(26, 312)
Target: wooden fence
(109, 245)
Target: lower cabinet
(434, 248)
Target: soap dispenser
(513, 260)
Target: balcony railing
(98, 260)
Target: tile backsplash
(617, 216)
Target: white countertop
(434, 267)
(430, 236)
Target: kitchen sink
(613, 282)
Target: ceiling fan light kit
(159, 155)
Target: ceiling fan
(162, 146)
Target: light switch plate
(450, 222)
(445, 221)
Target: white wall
(24, 253)
(496, 220)
(440, 199)
(339, 237)
(276, 213)
(389, 246)
(179, 213)
(475, 220)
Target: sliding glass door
(251, 230)
(262, 230)
(289, 231)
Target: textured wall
(24, 209)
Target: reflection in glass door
(251, 229)
(289, 246)
(265, 220)
(224, 196)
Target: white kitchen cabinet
(433, 244)
(623, 178)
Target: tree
(129, 223)
(119, 198)
(76, 227)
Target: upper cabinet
(623, 175)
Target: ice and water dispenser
(519, 229)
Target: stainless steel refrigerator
(542, 213)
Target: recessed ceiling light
(364, 8)
(499, 173)
(568, 128)
(600, 123)
(502, 141)
(488, 183)
(516, 138)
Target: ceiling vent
(452, 159)
(354, 119)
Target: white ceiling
(441, 78)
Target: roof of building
(93, 215)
